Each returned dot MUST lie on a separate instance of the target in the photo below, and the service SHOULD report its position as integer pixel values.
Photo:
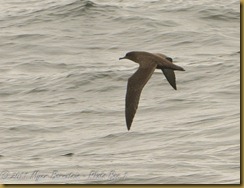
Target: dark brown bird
(148, 62)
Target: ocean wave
(216, 14)
(74, 9)
(38, 66)
(53, 11)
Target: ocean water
(63, 88)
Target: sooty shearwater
(148, 62)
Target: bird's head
(131, 56)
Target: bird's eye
(169, 59)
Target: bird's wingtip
(128, 127)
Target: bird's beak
(122, 58)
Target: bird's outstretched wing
(134, 87)
(170, 76)
(169, 73)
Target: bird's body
(148, 62)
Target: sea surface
(62, 92)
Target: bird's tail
(175, 67)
